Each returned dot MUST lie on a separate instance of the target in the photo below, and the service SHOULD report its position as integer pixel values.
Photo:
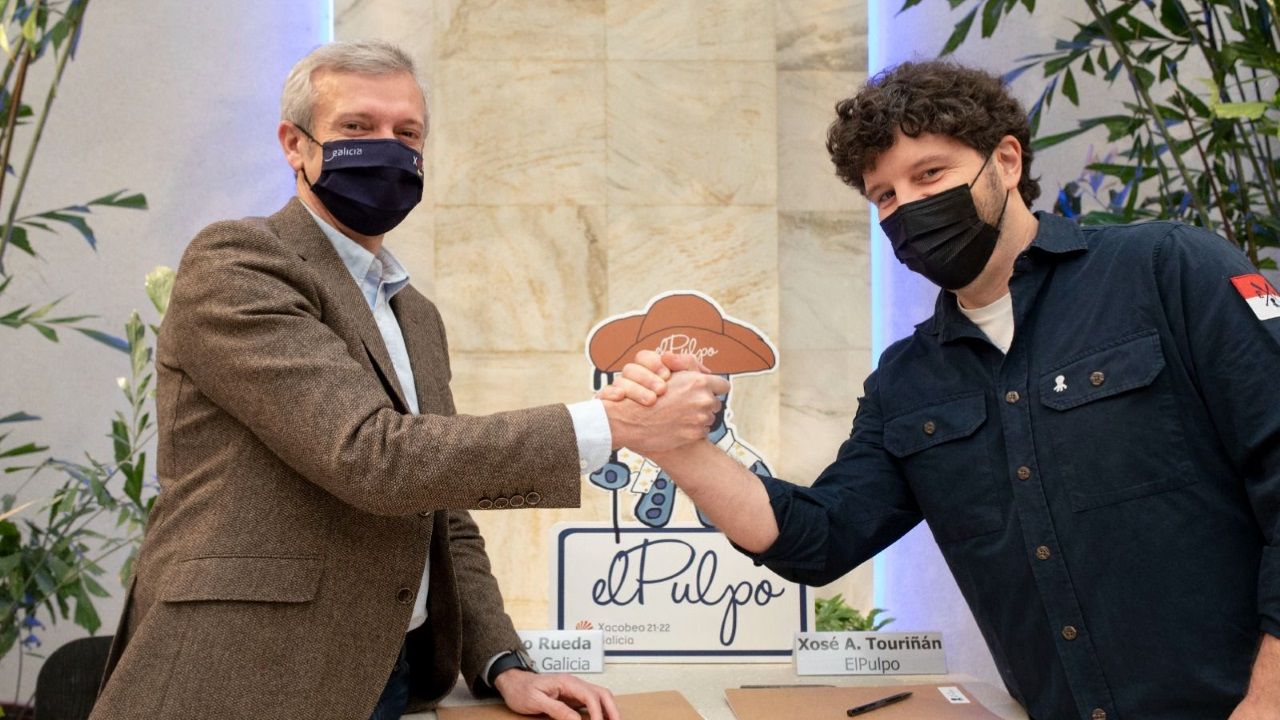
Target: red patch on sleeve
(1260, 295)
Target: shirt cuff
(591, 428)
(484, 674)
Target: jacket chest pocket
(945, 458)
(1113, 424)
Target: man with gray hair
(311, 554)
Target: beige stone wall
(585, 155)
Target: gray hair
(367, 57)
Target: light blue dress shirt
(379, 278)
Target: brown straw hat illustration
(686, 324)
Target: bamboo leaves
(1208, 157)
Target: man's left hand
(556, 695)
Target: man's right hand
(680, 411)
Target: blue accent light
(910, 578)
(879, 317)
(899, 300)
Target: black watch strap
(518, 659)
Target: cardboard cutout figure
(686, 323)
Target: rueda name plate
(869, 653)
(570, 651)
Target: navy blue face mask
(942, 237)
(368, 185)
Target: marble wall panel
(519, 133)
(806, 107)
(520, 29)
(406, 23)
(822, 34)
(820, 390)
(587, 154)
(825, 280)
(520, 278)
(682, 30)
(729, 253)
(413, 244)
(489, 382)
(692, 133)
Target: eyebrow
(364, 116)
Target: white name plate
(569, 651)
(869, 653)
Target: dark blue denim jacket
(1107, 494)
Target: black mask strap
(971, 184)
(1003, 207)
(312, 139)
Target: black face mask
(368, 185)
(942, 237)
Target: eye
(931, 173)
(883, 198)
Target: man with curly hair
(1089, 423)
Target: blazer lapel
(417, 342)
(297, 226)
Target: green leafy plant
(52, 546)
(51, 550)
(833, 615)
(1201, 123)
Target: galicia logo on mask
(368, 185)
(339, 152)
(942, 237)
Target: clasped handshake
(662, 402)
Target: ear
(1008, 157)
(293, 142)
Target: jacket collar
(295, 226)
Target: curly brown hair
(936, 97)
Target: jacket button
(1024, 473)
(1098, 714)
(1097, 378)
(500, 503)
(1042, 553)
(930, 428)
(484, 504)
(404, 596)
(532, 498)
(425, 513)
(517, 500)
(1069, 633)
(1012, 397)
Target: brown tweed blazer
(299, 499)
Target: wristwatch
(517, 658)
